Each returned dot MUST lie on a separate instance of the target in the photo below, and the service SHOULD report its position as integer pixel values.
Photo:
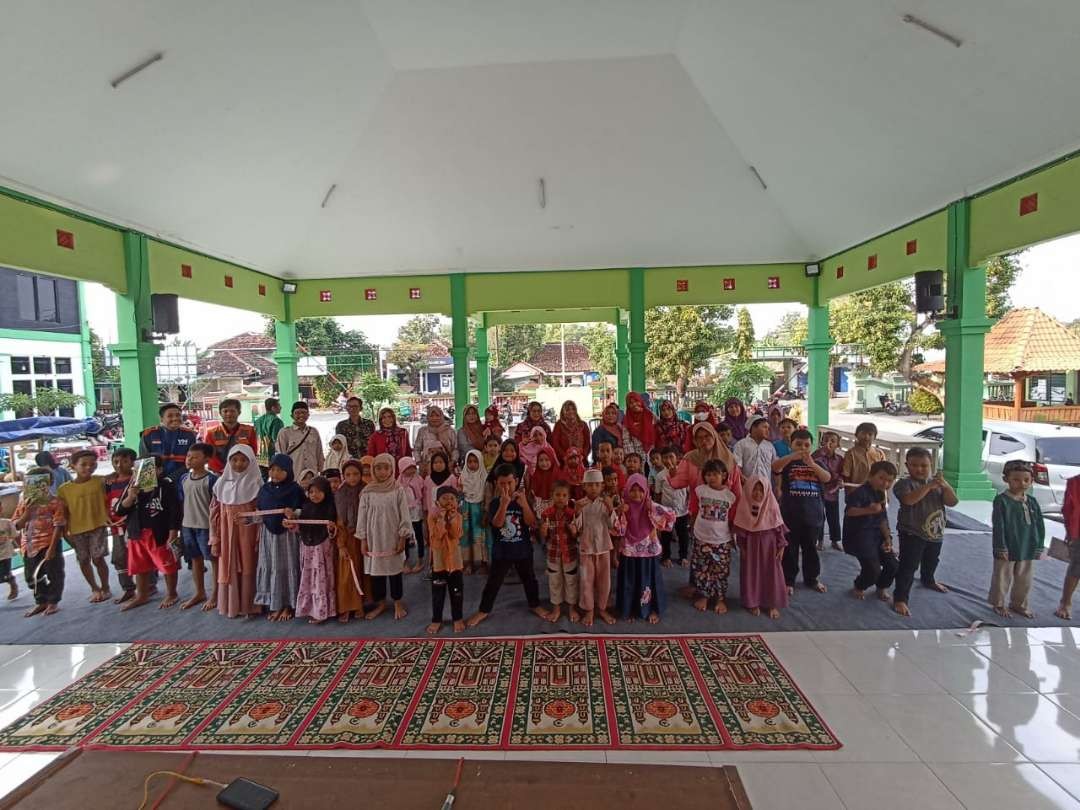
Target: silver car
(1052, 450)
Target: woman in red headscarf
(492, 426)
(704, 411)
(639, 427)
(570, 431)
(671, 431)
(573, 472)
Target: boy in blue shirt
(866, 531)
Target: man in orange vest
(227, 433)
(169, 440)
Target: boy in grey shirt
(194, 489)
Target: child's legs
(420, 541)
(587, 580)
(869, 571)
(570, 582)
(438, 595)
(30, 566)
(682, 532)
(832, 518)
(666, 539)
(82, 542)
(928, 564)
(496, 575)
(1023, 573)
(525, 570)
(790, 561)
(724, 568)
(555, 582)
(603, 580)
(888, 570)
(456, 586)
(378, 588)
(811, 561)
(1001, 580)
(911, 552)
(397, 586)
(119, 561)
(5, 571)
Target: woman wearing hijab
(437, 434)
(671, 431)
(760, 532)
(277, 577)
(534, 417)
(609, 429)
(233, 540)
(775, 416)
(471, 434)
(640, 590)
(735, 418)
(318, 596)
(570, 431)
(493, 428)
(707, 446)
(389, 438)
(350, 564)
(639, 427)
(703, 411)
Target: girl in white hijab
(234, 540)
(473, 546)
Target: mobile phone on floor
(243, 794)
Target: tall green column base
(459, 351)
(133, 348)
(637, 331)
(818, 386)
(622, 362)
(87, 355)
(286, 357)
(483, 369)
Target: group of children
(339, 543)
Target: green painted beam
(818, 345)
(30, 334)
(372, 295)
(638, 346)
(87, 353)
(483, 368)
(622, 360)
(727, 284)
(582, 315)
(459, 350)
(286, 357)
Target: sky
(1050, 280)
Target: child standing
(802, 508)
(558, 531)
(384, 527)
(413, 486)
(710, 565)
(593, 525)
(8, 538)
(641, 591)
(827, 457)
(782, 446)
(337, 453)
(87, 522)
(473, 538)
(194, 490)
(154, 519)
(439, 475)
(755, 453)
(920, 525)
(866, 531)
(350, 563)
(445, 530)
(1019, 540)
(676, 499)
(542, 480)
(491, 453)
(41, 517)
(116, 484)
(759, 531)
(316, 597)
(573, 472)
(277, 578)
(234, 540)
(855, 468)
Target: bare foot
(754, 611)
(14, 593)
(211, 604)
(606, 617)
(95, 597)
(376, 611)
(774, 613)
(459, 626)
(654, 618)
(555, 613)
(575, 614)
(106, 595)
(358, 614)
(1064, 612)
(883, 595)
(539, 611)
(34, 611)
(169, 600)
(858, 594)
(666, 563)
(819, 587)
(344, 617)
(837, 547)
(315, 621)
(701, 603)
(434, 628)
(400, 611)
(790, 590)
(901, 608)
(475, 619)
(193, 601)
(286, 615)
(684, 563)
(939, 587)
(51, 609)
(1022, 611)
(820, 546)
(273, 615)
(136, 601)
(126, 596)
(1003, 612)
(587, 618)
(720, 608)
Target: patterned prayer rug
(589, 692)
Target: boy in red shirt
(42, 516)
(558, 532)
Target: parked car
(1052, 450)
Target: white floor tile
(864, 734)
(881, 671)
(1047, 667)
(938, 729)
(658, 757)
(898, 786)
(1068, 776)
(1003, 787)
(1068, 702)
(740, 757)
(782, 786)
(9, 652)
(1068, 636)
(814, 672)
(962, 670)
(21, 768)
(1035, 726)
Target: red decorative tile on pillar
(840, 271)
(912, 247)
(871, 262)
(774, 282)
(1029, 204)
(325, 296)
(729, 284)
(65, 239)
(414, 293)
(185, 271)
(370, 294)
(262, 289)
(228, 281)
(682, 285)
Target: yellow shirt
(855, 468)
(85, 504)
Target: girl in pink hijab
(640, 589)
(761, 535)
(536, 441)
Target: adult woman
(707, 445)
(639, 427)
(671, 431)
(492, 426)
(609, 429)
(437, 434)
(570, 431)
(735, 418)
(389, 438)
(471, 434)
(534, 417)
(703, 411)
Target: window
(24, 290)
(46, 300)
(66, 385)
(37, 299)
(20, 365)
(1002, 445)
(22, 387)
(63, 365)
(446, 382)
(43, 365)
(1058, 450)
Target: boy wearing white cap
(593, 524)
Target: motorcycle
(892, 407)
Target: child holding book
(42, 518)
(154, 519)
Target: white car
(1052, 450)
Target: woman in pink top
(707, 446)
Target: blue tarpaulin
(45, 427)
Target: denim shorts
(196, 544)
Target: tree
(446, 332)
(377, 392)
(102, 373)
(740, 380)
(573, 332)
(516, 341)
(1001, 273)
(347, 352)
(682, 339)
(46, 401)
(744, 337)
(790, 331)
(599, 339)
(409, 351)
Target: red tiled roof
(1029, 340)
(549, 358)
(246, 341)
(249, 365)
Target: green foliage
(446, 332)
(744, 337)
(922, 401)
(740, 380)
(574, 332)
(377, 392)
(514, 342)
(1001, 273)
(599, 339)
(879, 319)
(682, 339)
(790, 331)
(409, 351)
(46, 401)
(347, 353)
(102, 372)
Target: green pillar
(286, 356)
(459, 332)
(87, 354)
(637, 330)
(964, 331)
(134, 348)
(818, 345)
(622, 361)
(483, 368)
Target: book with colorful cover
(145, 475)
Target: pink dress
(318, 596)
(761, 578)
(237, 545)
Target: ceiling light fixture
(812, 270)
(543, 193)
(139, 68)
(288, 287)
(911, 19)
(329, 191)
(758, 176)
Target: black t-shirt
(512, 540)
(862, 535)
(801, 503)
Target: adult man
(267, 428)
(301, 442)
(229, 432)
(170, 440)
(356, 429)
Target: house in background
(546, 365)
(243, 367)
(44, 339)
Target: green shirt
(267, 428)
(1018, 527)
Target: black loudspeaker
(166, 313)
(930, 291)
